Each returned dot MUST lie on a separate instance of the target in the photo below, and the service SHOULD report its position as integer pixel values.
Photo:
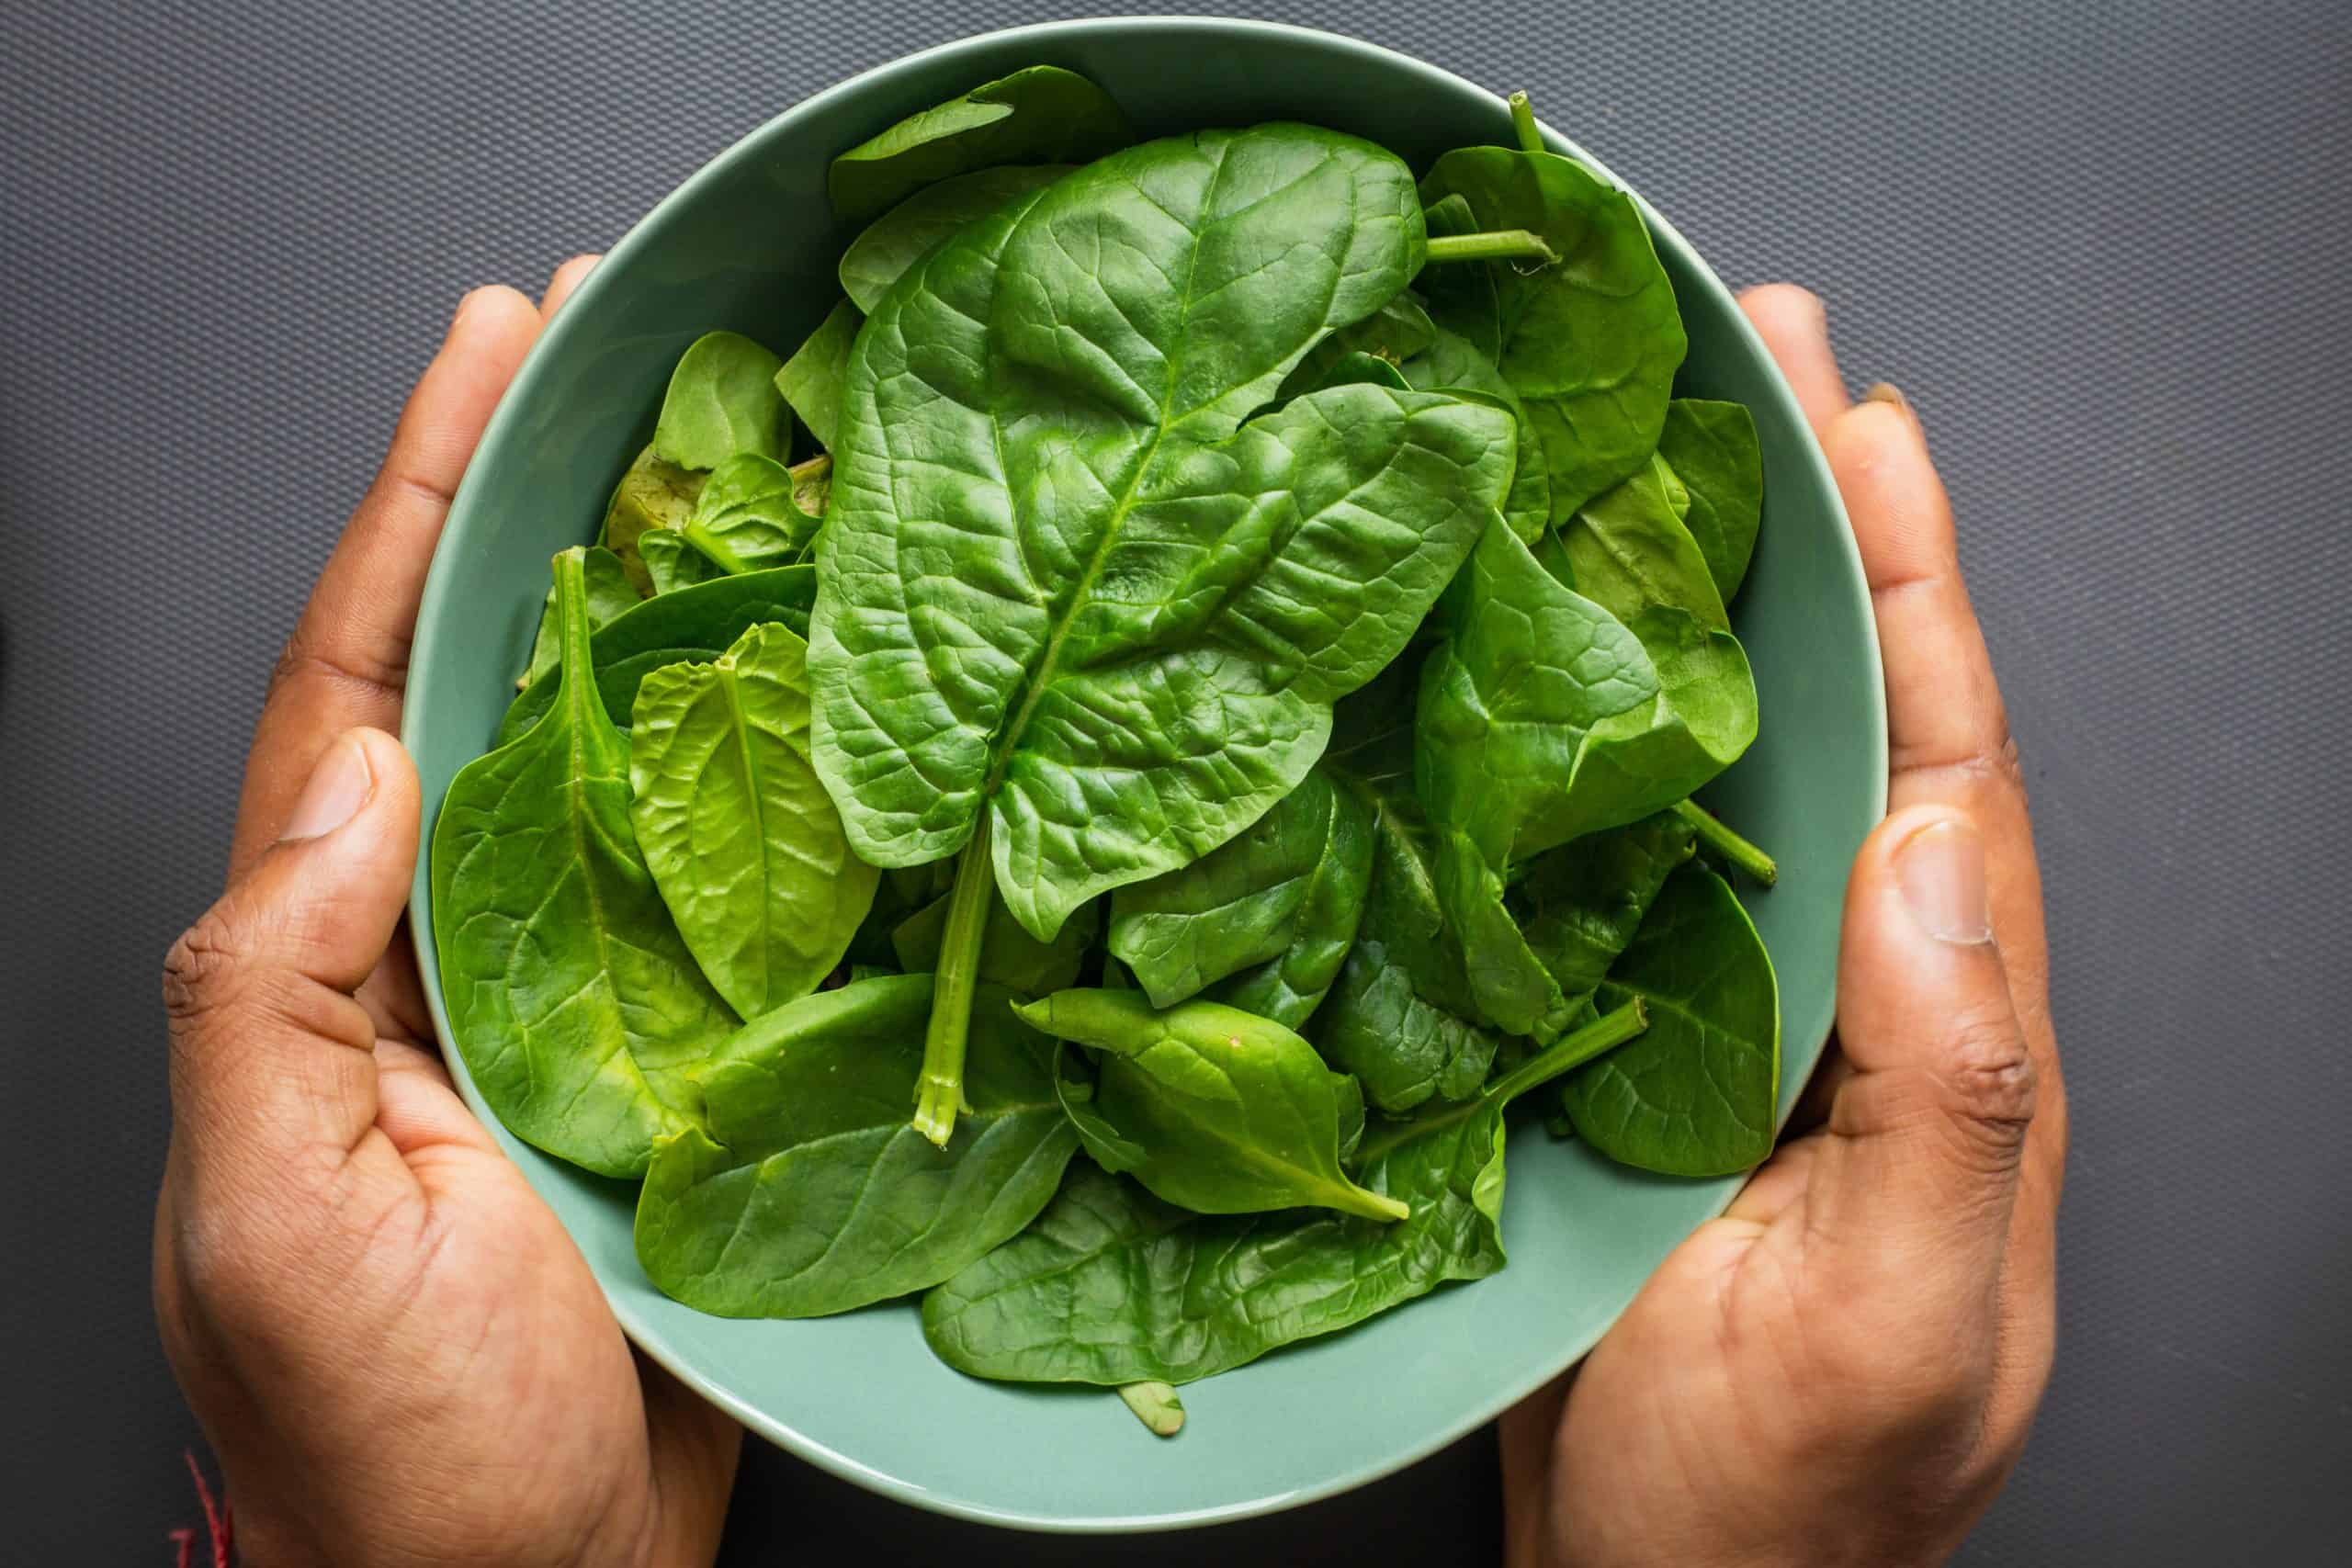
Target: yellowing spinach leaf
(1698, 1095)
(810, 1193)
(1247, 902)
(1590, 342)
(747, 518)
(1110, 1285)
(1711, 448)
(1210, 1107)
(610, 594)
(811, 381)
(722, 400)
(1041, 115)
(575, 1005)
(691, 624)
(1077, 619)
(652, 497)
(742, 841)
(904, 235)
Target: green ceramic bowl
(748, 244)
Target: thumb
(1919, 1170)
(271, 1056)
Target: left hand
(397, 1352)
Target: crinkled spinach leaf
(810, 1194)
(1589, 343)
(1041, 115)
(1210, 1107)
(904, 235)
(693, 623)
(1699, 1094)
(1110, 1285)
(571, 999)
(742, 841)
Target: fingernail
(1889, 393)
(1941, 870)
(338, 788)
(466, 305)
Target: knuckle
(201, 969)
(1990, 1079)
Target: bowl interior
(748, 244)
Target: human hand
(397, 1352)
(1842, 1369)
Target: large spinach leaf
(571, 999)
(1077, 619)
(695, 624)
(1696, 1095)
(1291, 884)
(742, 841)
(1543, 717)
(1711, 448)
(1590, 342)
(1110, 1285)
(810, 1193)
(1041, 115)
(905, 234)
(1210, 1107)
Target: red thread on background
(218, 1522)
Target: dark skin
(401, 1358)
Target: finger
(271, 1056)
(1796, 329)
(568, 277)
(1914, 1185)
(694, 1447)
(347, 660)
(1948, 732)
(1525, 1435)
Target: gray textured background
(2103, 247)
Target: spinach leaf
(1110, 1285)
(571, 999)
(693, 623)
(1009, 956)
(1210, 1107)
(1453, 363)
(1628, 551)
(1698, 1094)
(652, 497)
(1542, 718)
(610, 594)
(1245, 903)
(1071, 606)
(1395, 332)
(747, 518)
(1591, 343)
(722, 400)
(810, 1194)
(904, 235)
(812, 379)
(1398, 1016)
(1711, 448)
(1580, 904)
(1041, 115)
(742, 841)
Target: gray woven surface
(2102, 245)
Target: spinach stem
(814, 467)
(709, 544)
(1604, 1033)
(1493, 245)
(939, 1093)
(1156, 1405)
(1522, 119)
(1728, 844)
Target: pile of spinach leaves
(1192, 679)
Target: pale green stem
(1493, 245)
(709, 544)
(939, 1093)
(1604, 1033)
(1522, 119)
(1728, 844)
(1156, 1405)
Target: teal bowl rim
(439, 586)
